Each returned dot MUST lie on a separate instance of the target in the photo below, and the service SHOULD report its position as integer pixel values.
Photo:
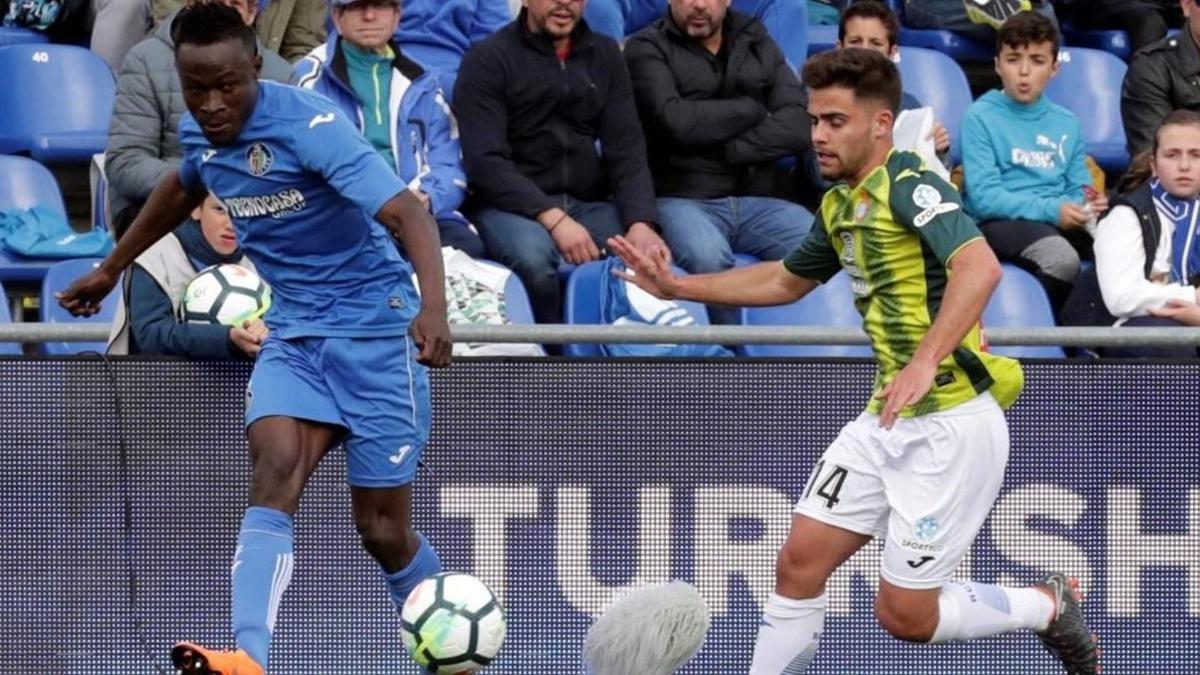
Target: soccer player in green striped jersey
(921, 467)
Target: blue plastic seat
(25, 184)
(952, 44)
(57, 102)
(787, 23)
(12, 35)
(937, 81)
(821, 38)
(1089, 84)
(582, 305)
(7, 348)
(100, 205)
(1115, 42)
(1020, 302)
(60, 275)
(831, 304)
(516, 300)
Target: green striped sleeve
(815, 259)
(925, 203)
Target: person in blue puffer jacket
(399, 108)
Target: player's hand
(83, 296)
(1072, 216)
(941, 138)
(248, 338)
(431, 334)
(909, 386)
(651, 273)
(1181, 311)
(574, 241)
(258, 329)
(645, 239)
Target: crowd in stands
(534, 130)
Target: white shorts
(927, 486)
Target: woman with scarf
(1148, 246)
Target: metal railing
(724, 335)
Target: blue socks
(423, 565)
(262, 570)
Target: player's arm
(974, 275)
(168, 206)
(768, 283)
(333, 147)
(411, 221)
(973, 272)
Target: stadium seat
(786, 21)
(1020, 302)
(1115, 42)
(830, 305)
(7, 348)
(100, 206)
(938, 82)
(821, 38)
(57, 102)
(582, 305)
(11, 35)
(947, 42)
(1089, 84)
(516, 299)
(58, 277)
(25, 184)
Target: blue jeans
(704, 234)
(525, 247)
(951, 15)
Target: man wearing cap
(399, 108)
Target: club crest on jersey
(860, 211)
(259, 158)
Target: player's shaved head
(209, 22)
(217, 56)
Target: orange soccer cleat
(192, 659)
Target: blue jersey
(302, 187)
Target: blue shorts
(373, 387)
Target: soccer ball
(452, 624)
(225, 294)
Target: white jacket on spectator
(1121, 261)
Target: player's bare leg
(383, 517)
(794, 616)
(283, 452)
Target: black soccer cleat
(1068, 637)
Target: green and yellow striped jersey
(894, 234)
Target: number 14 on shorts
(828, 484)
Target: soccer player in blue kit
(349, 337)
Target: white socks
(788, 635)
(972, 610)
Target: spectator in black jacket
(550, 134)
(1145, 21)
(721, 107)
(1162, 77)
